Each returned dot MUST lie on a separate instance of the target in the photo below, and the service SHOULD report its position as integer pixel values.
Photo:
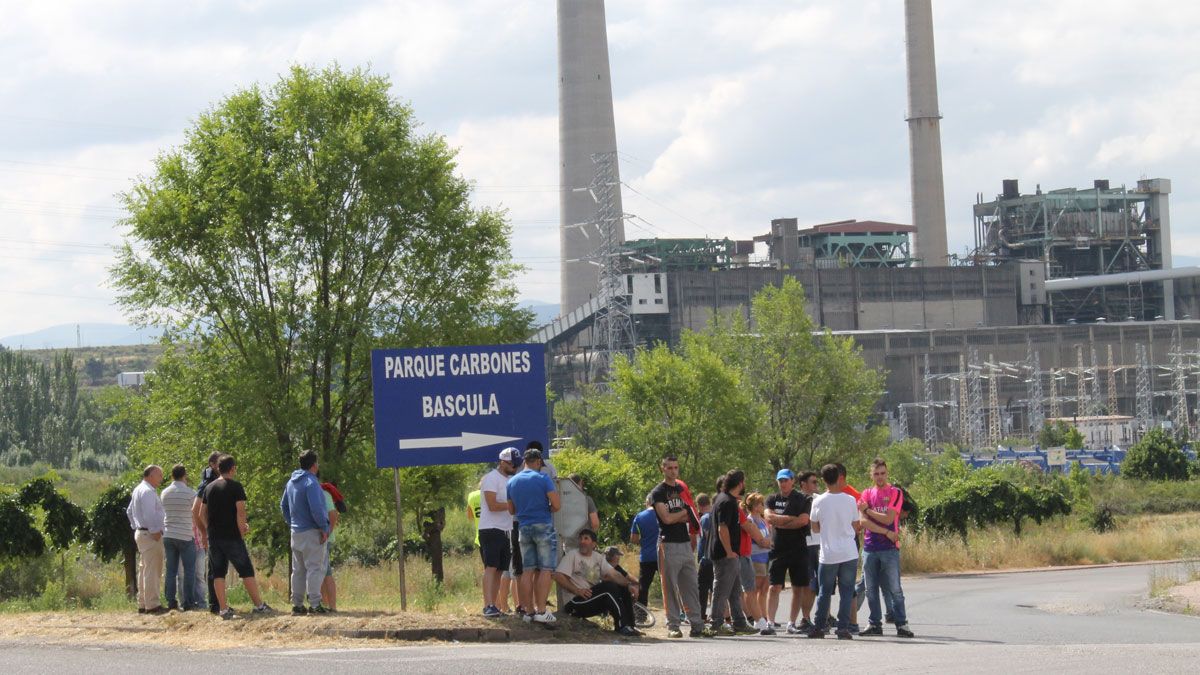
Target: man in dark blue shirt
(532, 498)
(644, 531)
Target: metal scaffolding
(993, 402)
(930, 429)
(975, 393)
(614, 332)
(1145, 394)
(1037, 410)
(980, 419)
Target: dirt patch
(203, 631)
(1185, 597)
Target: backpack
(909, 508)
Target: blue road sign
(457, 405)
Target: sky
(728, 114)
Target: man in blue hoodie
(303, 507)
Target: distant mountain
(89, 335)
(544, 311)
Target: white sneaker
(761, 624)
(791, 628)
(545, 617)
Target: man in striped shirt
(178, 539)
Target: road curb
(1064, 568)
(419, 634)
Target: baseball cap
(785, 473)
(510, 455)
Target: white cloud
(728, 114)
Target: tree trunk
(432, 526)
(130, 561)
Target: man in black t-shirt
(724, 544)
(787, 512)
(222, 526)
(676, 557)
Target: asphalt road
(1089, 621)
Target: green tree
(688, 403)
(63, 521)
(1059, 434)
(1156, 457)
(817, 391)
(295, 229)
(614, 480)
(110, 533)
(1074, 439)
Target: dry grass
(1061, 542)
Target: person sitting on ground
(595, 586)
(612, 555)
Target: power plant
(1056, 277)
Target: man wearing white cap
(495, 523)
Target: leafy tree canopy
(297, 227)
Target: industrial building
(1068, 306)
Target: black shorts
(792, 564)
(516, 568)
(493, 548)
(225, 552)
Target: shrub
(986, 498)
(1156, 457)
(614, 481)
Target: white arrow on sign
(467, 441)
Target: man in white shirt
(595, 586)
(495, 526)
(148, 520)
(835, 518)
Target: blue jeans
(539, 547)
(842, 576)
(881, 570)
(185, 550)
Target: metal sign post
(400, 542)
(454, 405)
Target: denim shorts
(539, 547)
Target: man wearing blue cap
(787, 511)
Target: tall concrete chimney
(925, 135)
(585, 127)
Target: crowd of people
(722, 561)
(197, 535)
